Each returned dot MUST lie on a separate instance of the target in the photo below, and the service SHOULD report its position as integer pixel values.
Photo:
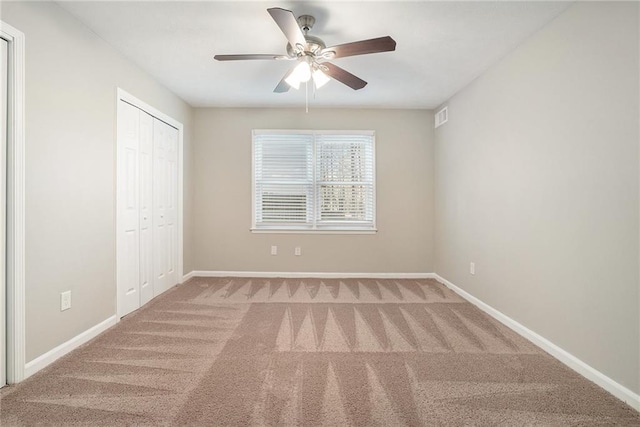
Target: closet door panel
(146, 204)
(171, 206)
(128, 266)
(159, 206)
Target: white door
(172, 206)
(4, 59)
(146, 202)
(147, 251)
(165, 237)
(128, 211)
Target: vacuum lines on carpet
(262, 352)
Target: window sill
(309, 231)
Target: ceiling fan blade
(363, 47)
(243, 57)
(283, 86)
(343, 76)
(287, 22)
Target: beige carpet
(309, 352)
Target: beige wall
(71, 81)
(222, 188)
(537, 183)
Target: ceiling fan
(312, 54)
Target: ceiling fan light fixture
(293, 81)
(300, 74)
(303, 71)
(319, 78)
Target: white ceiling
(441, 46)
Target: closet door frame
(15, 231)
(123, 95)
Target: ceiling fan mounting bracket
(306, 22)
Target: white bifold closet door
(145, 164)
(147, 207)
(165, 179)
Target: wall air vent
(442, 116)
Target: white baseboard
(317, 275)
(613, 387)
(52, 355)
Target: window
(313, 181)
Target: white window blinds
(313, 180)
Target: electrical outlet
(297, 251)
(274, 250)
(65, 300)
(472, 268)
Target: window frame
(327, 229)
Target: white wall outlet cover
(298, 251)
(65, 300)
(472, 268)
(274, 250)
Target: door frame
(15, 235)
(125, 96)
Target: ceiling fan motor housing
(314, 44)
